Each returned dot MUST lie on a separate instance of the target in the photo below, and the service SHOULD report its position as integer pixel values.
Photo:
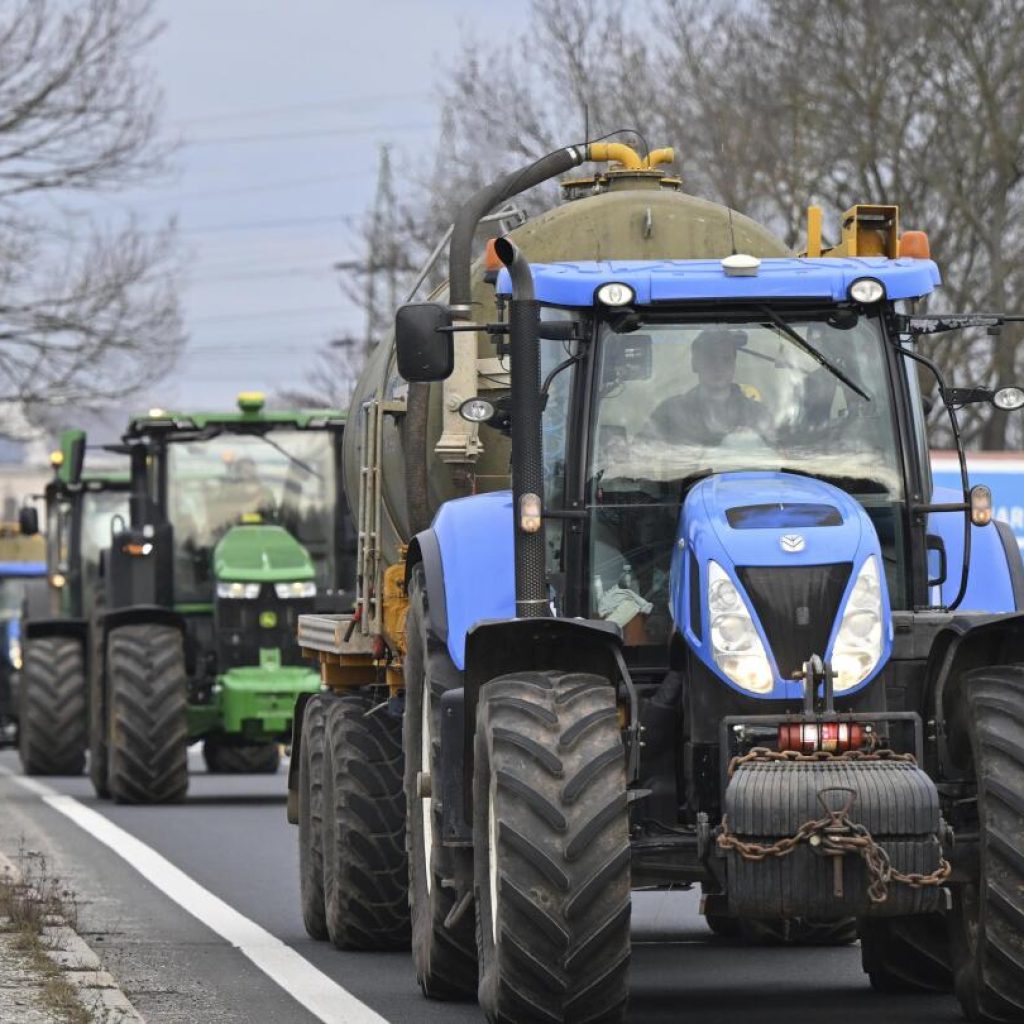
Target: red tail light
(834, 737)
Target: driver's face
(715, 365)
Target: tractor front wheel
(311, 817)
(99, 766)
(147, 714)
(906, 954)
(366, 891)
(551, 831)
(52, 711)
(988, 911)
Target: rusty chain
(835, 834)
(763, 754)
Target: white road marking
(323, 997)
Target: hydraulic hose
(460, 261)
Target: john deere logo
(791, 543)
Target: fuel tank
(617, 214)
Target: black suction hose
(460, 261)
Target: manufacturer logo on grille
(791, 543)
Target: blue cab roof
(22, 569)
(788, 277)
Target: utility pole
(383, 262)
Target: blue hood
(752, 523)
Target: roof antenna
(732, 234)
(586, 122)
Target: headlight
(300, 588)
(15, 654)
(239, 591)
(735, 643)
(858, 645)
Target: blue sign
(1002, 472)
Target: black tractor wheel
(366, 891)
(52, 710)
(988, 911)
(228, 757)
(311, 817)
(148, 715)
(906, 954)
(98, 725)
(444, 955)
(551, 851)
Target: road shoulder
(48, 973)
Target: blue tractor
(723, 631)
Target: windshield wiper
(817, 356)
(293, 458)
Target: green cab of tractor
(233, 531)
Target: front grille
(240, 635)
(797, 607)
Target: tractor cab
(233, 530)
(735, 460)
(81, 507)
(83, 503)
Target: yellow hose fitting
(617, 151)
(657, 157)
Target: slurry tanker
(655, 591)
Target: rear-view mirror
(28, 520)
(631, 357)
(937, 568)
(423, 342)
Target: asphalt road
(232, 838)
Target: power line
(269, 225)
(247, 112)
(264, 314)
(216, 193)
(320, 270)
(316, 133)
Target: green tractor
(233, 532)
(81, 507)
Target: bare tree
(88, 304)
(772, 105)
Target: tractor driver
(242, 491)
(717, 406)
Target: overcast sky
(281, 107)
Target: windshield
(677, 401)
(286, 478)
(12, 597)
(98, 511)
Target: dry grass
(29, 905)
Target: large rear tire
(366, 891)
(551, 830)
(99, 765)
(52, 712)
(226, 757)
(445, 958)
(311, 817)
(906, 954)
(148, 714)
(988, 912)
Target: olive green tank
(619, 214)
